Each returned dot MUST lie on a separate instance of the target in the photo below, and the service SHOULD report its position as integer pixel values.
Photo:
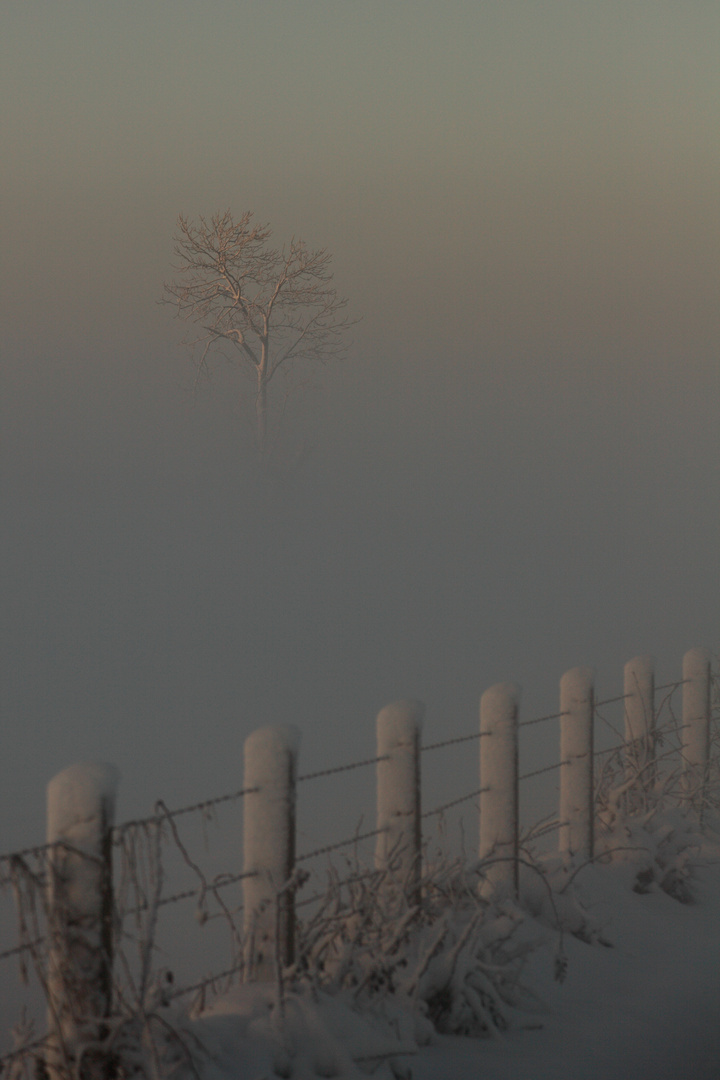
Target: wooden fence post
(577, 802)
(80, 816)
(696, 723)
(499, 781)
(639, 689)
(398, 846)
(269, 850)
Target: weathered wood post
(696, 723)
(80, 816)
(639, 689)
(577, 802)
(499, 781)
(398, 846)
(269, 850)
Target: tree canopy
(274, 306)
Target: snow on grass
(599, 971)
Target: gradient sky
(516, 470)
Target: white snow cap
(264, 749)
(274, 737)
(400, 721)
(499, 702)
(77, 795)
(577, 683)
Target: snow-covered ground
(649, 1007)
(644, 1003)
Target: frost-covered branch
(276, 307)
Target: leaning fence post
(399, 841)
(639, 692)
(269, 850)
(80, 815)
(696, 722)
(499, 780)
(577, 804)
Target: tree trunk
(261, 400)
(261, 410)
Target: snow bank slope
(646, 1009)
(645, 1006)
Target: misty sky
(517, 468)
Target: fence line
(271, 877)
(207, 804)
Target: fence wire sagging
(159, 883)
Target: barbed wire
(612, 700)
(542, 719)
(207, 804)
(39, 849)
(341, 844)
(610, 749)
(454, 802)
(548, 768)
(157, 819)
(452, 742)
(341, 768)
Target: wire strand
(539, 772)
(157, 819)
(341, 768)
(453, 742)
(336, 847)
(612, 700)
(542, 719)
(455, 802)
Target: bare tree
(275, 306)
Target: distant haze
(516, 470)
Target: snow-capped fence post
(499, 781)
(639, 689)
(399, 843)
(696, 722)
(80, 815)
(269, 850)
(577, 803)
